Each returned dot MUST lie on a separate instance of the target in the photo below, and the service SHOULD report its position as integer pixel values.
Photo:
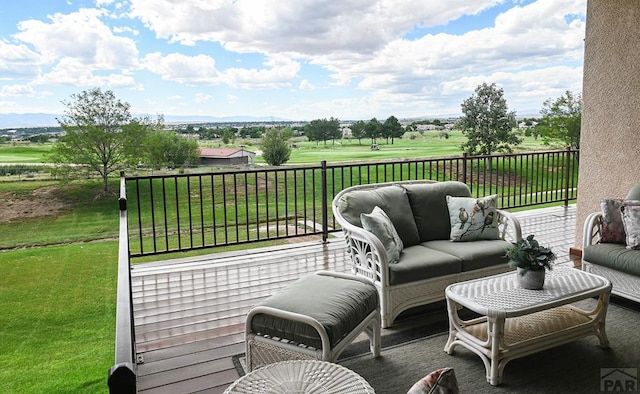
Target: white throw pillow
(473, 218)
(381, 226)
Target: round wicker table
(301, 376)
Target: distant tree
(99, 133)
(250, 131)
(561, 119)
(358, 130)
(323, 130)
(39, 138)
(275, 146)
(227, 136)
(373, 129)
(313, 132)
(167, 149)
(487, 123)
(335, 132)
(391, 128)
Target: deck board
(189, 312)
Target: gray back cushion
(394, 202)
(429, 205)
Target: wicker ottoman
(315, 317)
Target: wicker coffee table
(301, 376)
(516, 322)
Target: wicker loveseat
(429, 260)
(608, 250)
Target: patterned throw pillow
(473, 218)
(441, 381)
(631, 221)
(381, 226)
(612, 227)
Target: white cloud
(17, 90)
(279, 73)
(125, 29)
(364, 40)
(201, 69)
(81, 36)
(201, 98)
(304, 27)
(71, 72)
(306, 85)
(18, 61)
(182, 68)
(379, 56)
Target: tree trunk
(105, 178)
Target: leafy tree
(486, 122)
(391, 128)
(358, 130)
(561, 119)
(323, 130)
(100, 133)
(166, 149)
(275, 146)
(39, 138)
(373, 129)
(227, 136)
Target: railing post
(325, 205)
(464, 167)
(566, 178)
(122, 375)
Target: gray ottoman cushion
(340, 305)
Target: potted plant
(531, 259)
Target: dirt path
(44, 201)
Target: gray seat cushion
(474, 255)
(429, 205)
(417, 263)
(340, 305)
(614, 256)
(394, 202)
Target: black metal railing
(122, 375)
(170, 213)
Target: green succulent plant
(527, 253)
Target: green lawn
(428, 145)
(90, 215)
(58, 302)
(24, 153)
(58, 318)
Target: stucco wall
(610, 133)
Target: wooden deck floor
(189, 313)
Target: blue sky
(292, 59)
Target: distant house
(226, 156)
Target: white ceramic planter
(530, 279)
